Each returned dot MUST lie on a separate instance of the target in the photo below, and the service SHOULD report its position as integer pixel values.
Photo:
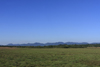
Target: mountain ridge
(47, 44)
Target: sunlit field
(49, 57)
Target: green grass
(50, 57)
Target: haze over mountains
(46, 44)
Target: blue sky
(29, 21)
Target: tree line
(57, 46)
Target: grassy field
(49, 57)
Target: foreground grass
(50, 57)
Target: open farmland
(49, 57)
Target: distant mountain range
(47, 44)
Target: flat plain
(49, 57)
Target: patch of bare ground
(8, 48)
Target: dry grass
(8, 48)
(93, 47)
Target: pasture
(49, 57)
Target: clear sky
(29, 21)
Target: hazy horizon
(47, 42)
(29, 21)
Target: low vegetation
(49, 57)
